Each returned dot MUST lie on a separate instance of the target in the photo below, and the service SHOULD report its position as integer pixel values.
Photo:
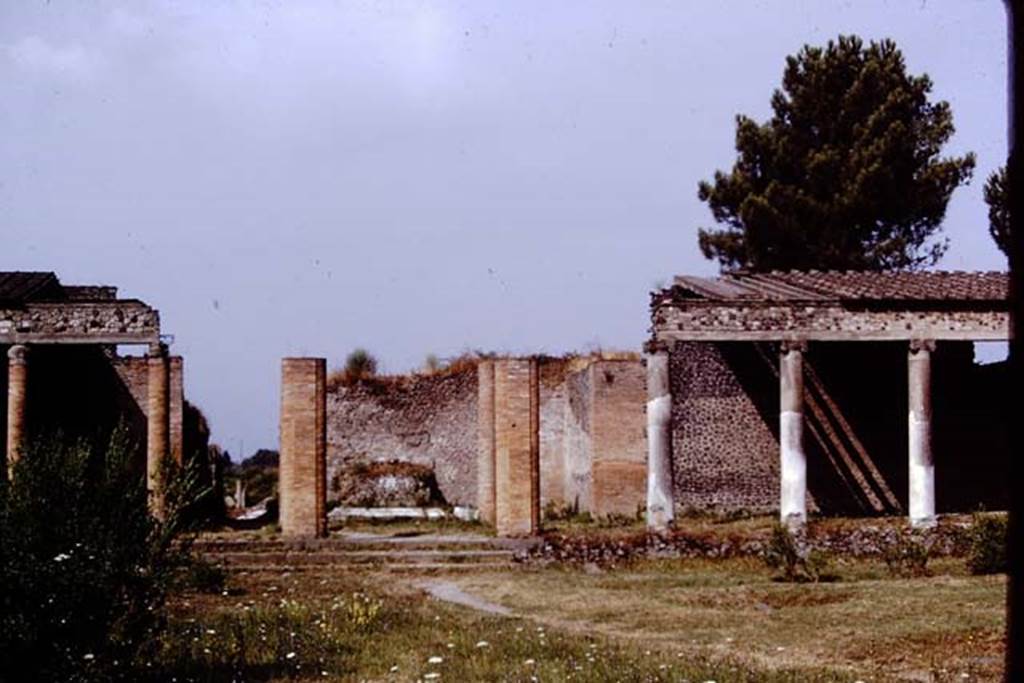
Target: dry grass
(866, 624)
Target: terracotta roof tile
(848, 286)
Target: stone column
(485, 440)
(303, 467)
(157, 423)
(792, 460)
(922, 466)
(660, 502)
(17, 379)
(516, 447)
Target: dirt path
(450, 592)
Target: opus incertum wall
(303, 447)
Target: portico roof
(833, 306)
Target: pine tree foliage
(847, 173)
(997, 196)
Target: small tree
(84, 567)
(997, 196)
(847, 173)
(359, 365)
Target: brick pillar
(303, 467)
(792, 460)
(517, 447)
(177, 408)
(17, 385)
(158, 423)
(922, 465)
(485, 440)
(660, 502)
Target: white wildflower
(432, 675)
(89, 657)
(394, 669)
(435, 660)
(61, 557)
(290, 655)
(529, 662)
(483, 643)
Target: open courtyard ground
(646, 620)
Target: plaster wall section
(577, 441)
(618, 446)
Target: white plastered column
(922, 465)
(792, 459)
(660, 504)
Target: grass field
(664, 620)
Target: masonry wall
(134, 376)
(432, 420)
(429, 420)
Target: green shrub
(987, 551)
(790, 554)
(908, 553)
(84, 568)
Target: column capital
(787, 345)
(17, 353)
(157, 350)
(653, 346)
(922, 345)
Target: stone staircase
(424, 553)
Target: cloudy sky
(302, 178)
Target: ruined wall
(432, 420)
(429, 420)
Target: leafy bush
(908, 553)
(84, 567)
(987, 551)
(789, 553)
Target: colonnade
(792, 457)
(158, 430)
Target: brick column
(17, 385)
(792, 460)
(485, 440)
(517, 447)
(660, 503)
(157, 424)
(177, 409)
(303, 467)
(922, 465)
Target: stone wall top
(122, 321)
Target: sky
(414, 178)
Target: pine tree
(847, 173)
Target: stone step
(235, 557)
(363, 542)
(278, 569)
